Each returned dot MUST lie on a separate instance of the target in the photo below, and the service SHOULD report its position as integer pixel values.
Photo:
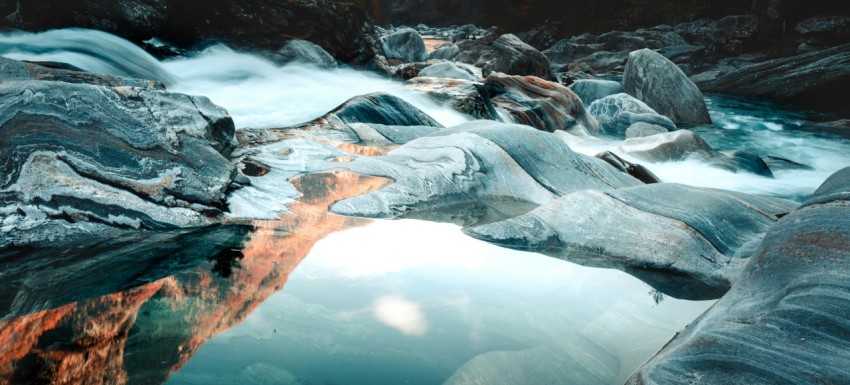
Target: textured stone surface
(671, 146)
(660, 84)
(684, 241)
(641, 129)
(80, 158)
(448, 70)
(591, 90)
(406, 45)
(616, 113)
(503, 169)
(514, 57)
(535, 102)
(786, 319)
(303, 51)
(461, 95)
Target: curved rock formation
(514, 57)
(405, 45)
(303, 51)
(786, 319)
(591, 90)
(660, 84)
(685, 241)
(616, 113)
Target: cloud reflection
(401, 314)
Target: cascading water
(260, 94)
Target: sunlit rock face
(145, 333)
(686, 242)
(785, 320)
(81, 158)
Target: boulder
(448, 52)
(641, 129)
(616, 113)
(448, 70)
(566, 51)
(478, 171)
(785, 319)
(303, 51)
(590, 90)
(11, 70)
(538, 103)
(660, 84)
(461, 95)
(684, 241)
(638, 171)
(601, 62)
(671, 146)
(819, 77)
(514, 57)
(405, 45)
(82, 159)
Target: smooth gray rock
(686, 242)
(616, 113)
(538, 103)
(461, 95)
(448, 52)
(478, 171)
(448, 70)
(671, 146)
(601, 62)
(566, 52)
(641, 129)
(660, 84)
(786, 318)
(303, 51)
(591, 90)
(514, 57)
(405, 45)
(79, 159)
(60, 72)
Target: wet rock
(684, 241)
(60, 72)
(671, 146)
(616, 113)
(566, 51)
(825, 30)
(817, 78)
(82, 159)
(728, 36)
(660, 84)
(405, 45)
(448, 52)
(780, 164)
(303, 51)
(381, 108)
(501, 168)
(749, 162)
(684, 54)
(448, 70)
(535, 102)
(590, 90)
(641, 129)
(784, 320)
(514, 57)
(461, 95)
(639, 172)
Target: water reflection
(135, 310)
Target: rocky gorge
(156, 191)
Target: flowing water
(316, 298)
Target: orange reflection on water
(88, 341)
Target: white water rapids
(259, 93)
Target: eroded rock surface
(660, 84)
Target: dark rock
(502, 169)
(448, 70)
(461, 95)
(730, 35)
(245, 24)
(683, 54)
(780, 164)
(684, 241)
(591, 90)
(748, 162)
(541, 104)
(637, 171)
(659, 83)
(61, 72)
(566, 52)
(543, 36)
(384, 109)
(785, 319)
(406, 45)
(832, 25)
(616, 113)
(514, 57)
(641, 129)
(601, 62)
(82, 159)
(817, 78)
(303, 51)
